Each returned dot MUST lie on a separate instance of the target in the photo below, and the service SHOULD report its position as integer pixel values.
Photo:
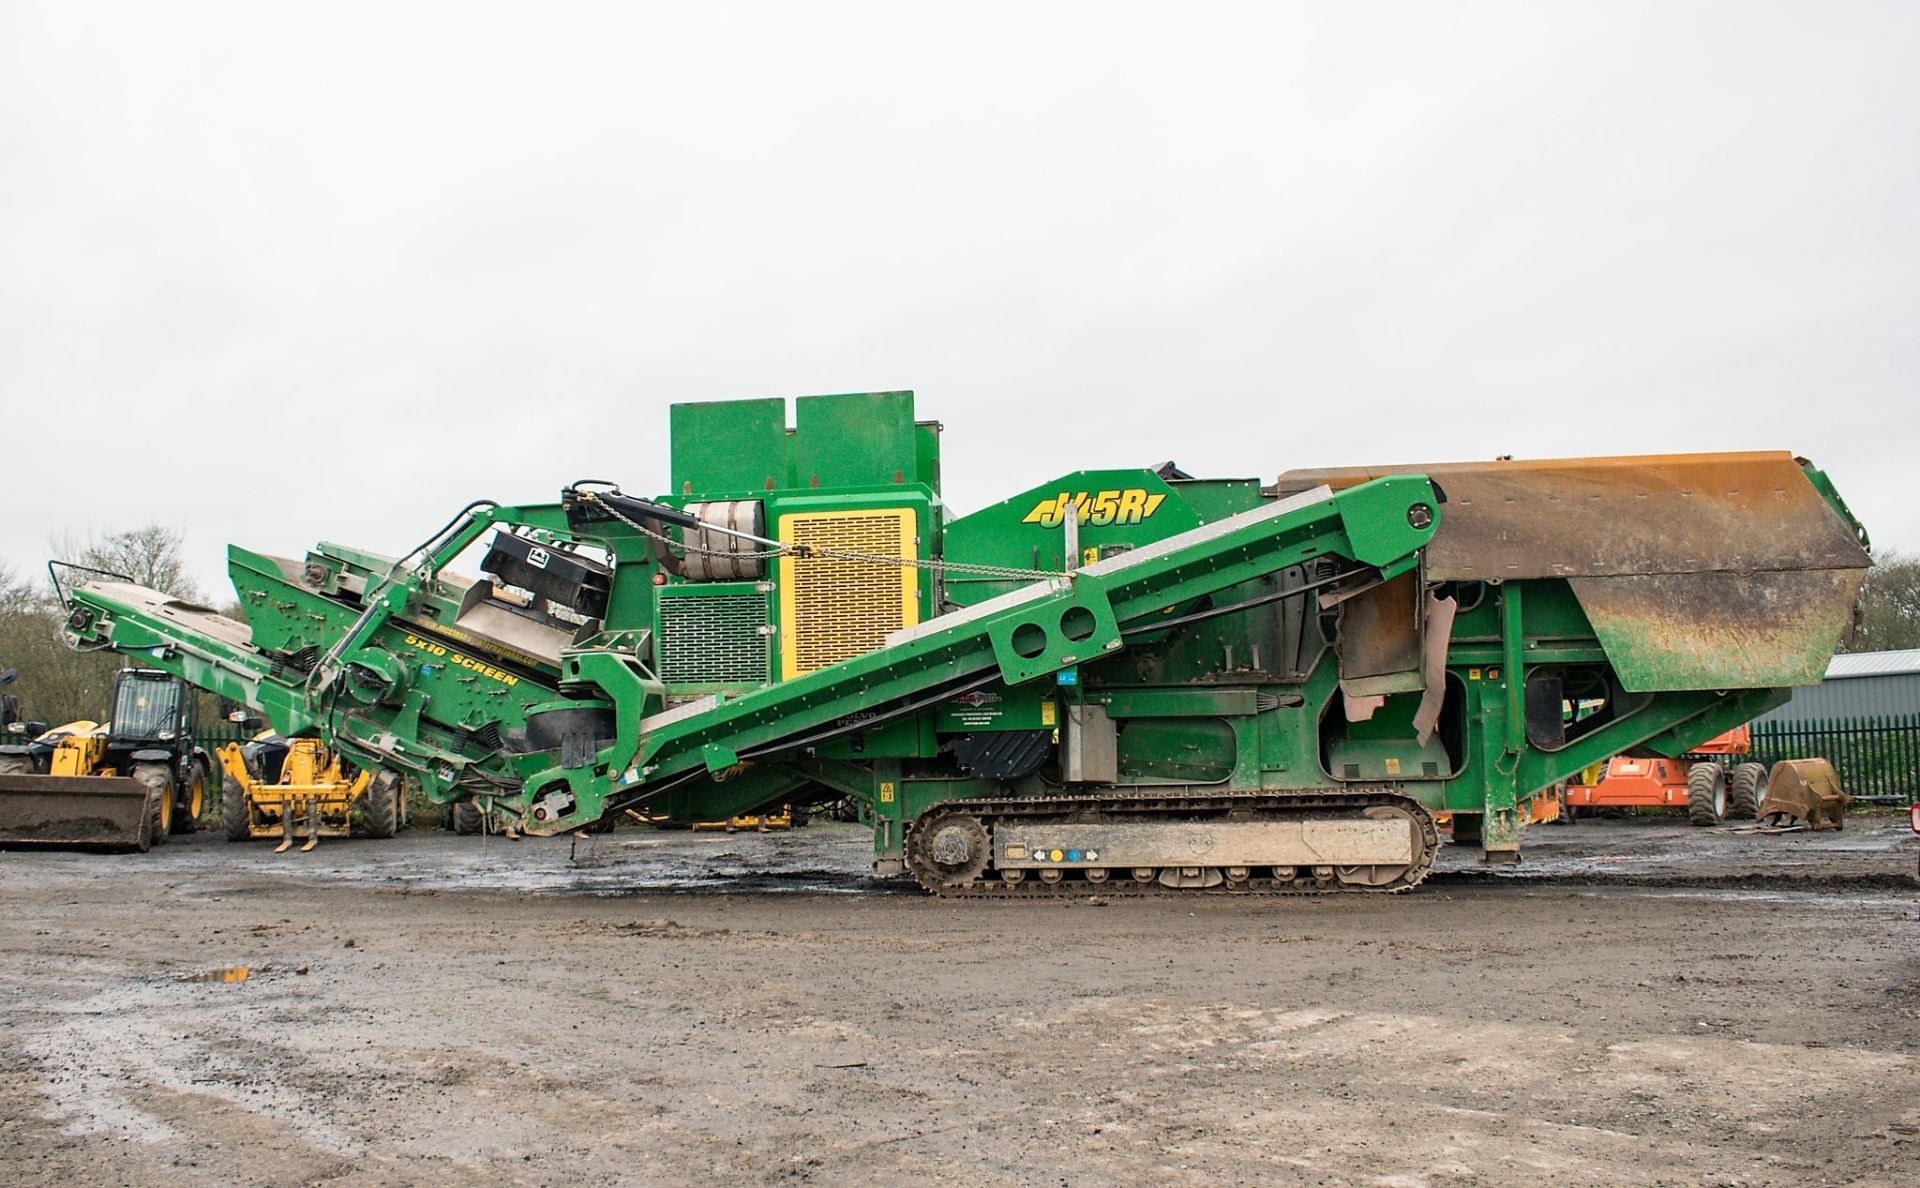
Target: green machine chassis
(1124, 680)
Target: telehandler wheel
(192, 800)
(15, 765)
(1706, 793)
(382, 805)
(158, 781)
(233, 810)
(466, 818)
(1744, 788)
(144, 835)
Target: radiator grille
(712, 638)
(834, 610)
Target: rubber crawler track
(1122, 806)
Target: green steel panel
(1000, 707)
(1118, 509)
(927, 455)
(855, 440)
(732, 446)
(1178, 703)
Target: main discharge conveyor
(1124, 680)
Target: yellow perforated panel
(831, 609)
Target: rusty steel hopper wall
(1698, 571)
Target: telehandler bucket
(1804, 791)
(111, 813)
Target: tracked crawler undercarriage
(1121, 842)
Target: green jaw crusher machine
(1119, 681)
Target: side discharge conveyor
(1121, 681)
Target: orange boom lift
(1707, 782)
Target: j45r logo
(1097, 508)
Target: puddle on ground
(233, 973)
(1827, 900)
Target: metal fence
(214, 735)
(1877, 758)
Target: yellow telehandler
(288, 787)
(125, 784)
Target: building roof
(1865, 664)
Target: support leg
(1500, 836)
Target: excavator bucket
(1804, 791)
(110, 813)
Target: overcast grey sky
(271, 273)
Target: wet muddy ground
(1639, 1001)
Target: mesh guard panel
(834, 610)
(708, 639)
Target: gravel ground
(1638, 1002)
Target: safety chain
(807, 552)
(941, 566)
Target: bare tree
(151, 556)
(15, 593)
(57, 684)
(1889, 612)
